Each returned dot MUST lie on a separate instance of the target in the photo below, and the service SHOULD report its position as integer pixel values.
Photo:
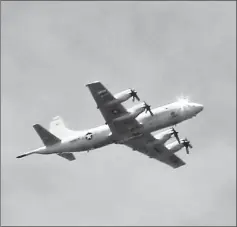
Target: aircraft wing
(129, 128)
(68, 156)
(110, 112)
(156, 151)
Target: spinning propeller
(147, 108)
(187, 145)
(175, 133)
(134, 95)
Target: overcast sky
(50, 50)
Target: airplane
(131, 127)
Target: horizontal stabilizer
(68, 156)
(47, 138)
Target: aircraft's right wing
(68, 156)
(146, 145)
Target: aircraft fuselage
(164, 116)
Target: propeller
(134, 95)
(175, 133)
(187, 145)
(147, 108)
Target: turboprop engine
(175, 146)
(135, 111)
(124, 96)
(166, 135)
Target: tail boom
(21, 156)
(29, 153)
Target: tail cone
(21, 156)
(26, 154)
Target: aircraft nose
(199, 107)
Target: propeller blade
(175, 133)
(148, 108)
(151, 113)
(134, 95)
(187, 145)
(187, 150)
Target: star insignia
(89, 136)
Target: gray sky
(50, 50)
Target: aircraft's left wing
(103, 97)
(68, 156)
(146, 145)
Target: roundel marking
(89, 136)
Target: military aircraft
(131, 127)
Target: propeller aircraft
(131, 127)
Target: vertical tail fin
(47, 138)
(58, 128)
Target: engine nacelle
(121, 97)
(136, 110)
(133, 113)
(175, 146)
(163, 136)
